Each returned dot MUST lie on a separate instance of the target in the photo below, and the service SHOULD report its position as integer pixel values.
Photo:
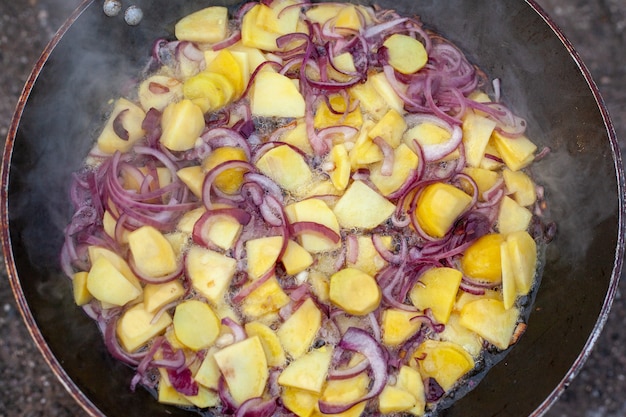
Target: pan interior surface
(98, 57)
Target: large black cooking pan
(95, 58)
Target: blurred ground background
(595, 27)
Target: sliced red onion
(352, 248)
(237, 329)
(386, 254)
(386, 168)
(317, 228)
(349, 372)
(155, 280)
(118, 126)
(358, 340)
(257, 407)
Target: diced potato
(107, 284)
(523, 252)
(298, 331)
(210, 272)
(341, 391)
(229, 180)
(204, 399)
(368, 259)
(394, 399)
(195, 324)
(517, 153)
(456, 333)
(492, 159)
(410, 380)
(317, 211)
(509, 292)
(188, 220)
(244, 367)
(426, 134)
(397, 326)
(208, 374)
(436, 290)
(286, 167)
(298, 137)
(344, 62)
(168, 395)
(340, 175)
(156, 296)
(438, 207)
(512, 217)
(300, 402)
(520, 186)
(277, 18)
(267, 298)
(226, 64)
(152, 253)
(404, 163)
(254, 57)
(209, 91)
(489, 319)
(320, 285)
(391, 128)
(361, 207)
(325, 117)
(118, 262)
(369, 99)
(109, 223)
(446, 362)
(208, 25)
(322, 12)
(130, 117)
(348, 18)
(386, 91)
(223, 230)
(79, 286)
(158, 91)
(354, 291)
(481, 259)
(274, 352)
(275, 95)
(262, 254)
(308, 372)
(193, 178)
(137, 326)
(254, 35)
(466, 298)
(406, 54)
(484, 178)
(477, 131)
(364, 151)
(182, 124)
(296, 259)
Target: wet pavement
(597, 29)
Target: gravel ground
(595, 27)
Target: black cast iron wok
(94, 58)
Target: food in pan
(306, 208)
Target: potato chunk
(152, 252)
(208, 25)
(362, 207)
(436, 290)
(489, 319)
(309, 371)
(406, 54)
(446, 362)
(438, 207)
(244, 367)
(354, 291)
(137, 326)
(298, 331)
(195, 324)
